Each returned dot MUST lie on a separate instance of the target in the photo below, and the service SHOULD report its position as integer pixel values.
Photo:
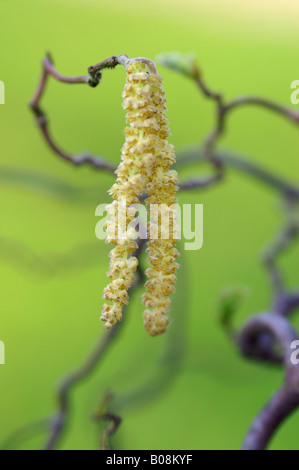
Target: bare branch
(283, 240)
(264, 103)
(41, 119)
(197, 155)
(201, 182)
(257, 340)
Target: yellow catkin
(140, 151)
(161, 188)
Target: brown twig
(41, 118)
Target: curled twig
(257, 340)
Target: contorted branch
(244, 165)
(268, 338)
(41, 118)
(92, 79)
(257, 340)
(281, 243)
(223, 108)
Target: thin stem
(282, 404)
(244, 165)
(222, 109)
(50, 69)
(264, 103)
(280, 244)
(201, 182)
(41, 119)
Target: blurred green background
(52, 266)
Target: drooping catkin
(141, 148)
(161, 188)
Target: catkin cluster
(145, 166)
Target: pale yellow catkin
(162, 254)
(146, 161)
(141, 100)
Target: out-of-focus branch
(281, 405)
(282, 242)
(59, 420)
(160, 380)
(285, 112)
(223, 108)
(103, 414)
(268, 338)
(287, 302)
(50, 185)
(202, 182)
(17, 254)
(254, 340)
(265, 337)
(18, 437)
(229, 159)
(115, 422)
(258, 339)
(55, 424)
(187, 65)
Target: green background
(53, 268)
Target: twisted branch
(92, 80)
(261, 335)
(257, 340)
